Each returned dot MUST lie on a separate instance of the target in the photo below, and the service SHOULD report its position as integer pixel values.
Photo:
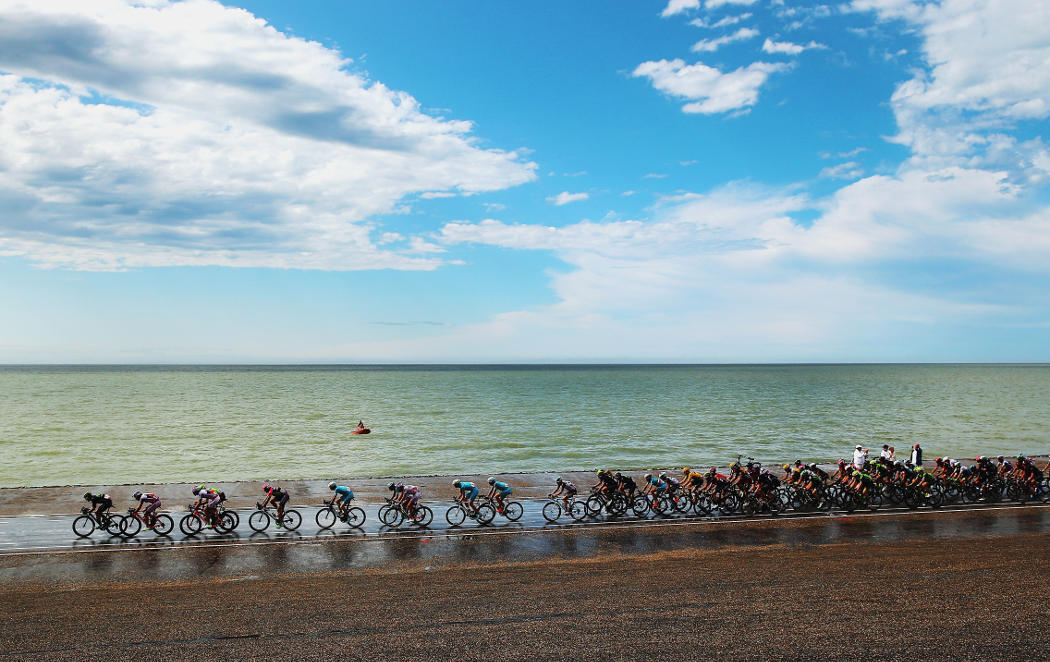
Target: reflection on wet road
(40, 548)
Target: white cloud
(678, 6)
(190, 133)
(847, 170)
(706, 88)
(711, 45)
(987, 71)
(565, 198)
(789, 48)
(715, 4)
(720, 23)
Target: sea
(89, 425)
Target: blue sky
(692, 180)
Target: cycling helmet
(558, 480)
(491, 480)
(813, 465)
(648, 476)
(841, 463)
(999, 458)
(663, 474)
(787, 467)
(332, 485)
(266, 487)
(136, 496)
(734, 466)
(685, 470)
(457, 483)
(196, 491)
(619, 475)
(87, 496)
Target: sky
(410, 181)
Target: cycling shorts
(214, 503)
(345, 498)
(282, 501)
(472, 493)
(504, 493)
(152, 507)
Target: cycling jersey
(469, 490)
(627, 483)
(101, 499)
(344, 493)
(149, 498)
(568, 487)
(657, 484)
(501, 487)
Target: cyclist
(863, 482)
(499, 491)
(626, 485)
(278, 496)
(152, 503)
(468, 491)
(565, 490)
(606, 484)
(654, 486)
(343, 495)
(100, 504)
(766, 484)
(408, 496)
(692, 480)
(212, 498)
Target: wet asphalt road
(45, 548)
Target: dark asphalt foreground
(761, 593)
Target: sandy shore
(958, 599)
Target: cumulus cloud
(707, 89)
(565, 198)
(715, 4)
(678, 6)
(987, 72)
(711, 45)
(789, 48)
(170, 133)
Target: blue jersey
(344, 493)
(501, 486)
(465, 487)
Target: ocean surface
(126, 424)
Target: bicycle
(512, 510)
(194, 521)
(484, 513)
(133, 523)
(396, 514)
(554, 508)
(260, 519)
(86, 522)
(327, 516)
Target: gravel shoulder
(956, 599)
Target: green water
(113, 425)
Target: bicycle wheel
(486, 513)
(423, 517)
(130, 527)
(162, 525)
(594, 505)
(190, 525)
(326, 517)
(640, 506)
(551, 511)
(455, 515)
(392, 517)
(292, 519)
(577, 511)
(83, 526)
(259, 520)
(513, 511)
(356, 517)
(234, 517)
(226, 523)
